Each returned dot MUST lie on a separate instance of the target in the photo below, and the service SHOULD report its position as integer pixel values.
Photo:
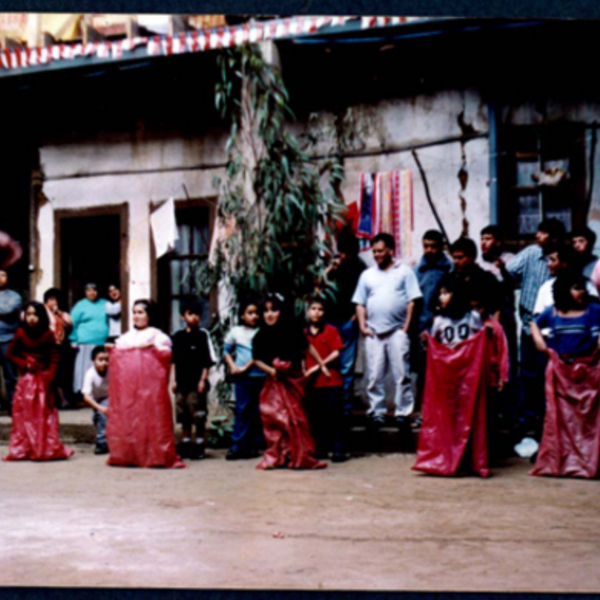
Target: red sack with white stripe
(139, 430)
(453, 435)
(570, 444)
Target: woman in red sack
(570, 444)
(278, 350)
(453, 432)
(139, 430)
(34, 434)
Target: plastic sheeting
(453, 431)
(286, 429)
(139, 431)
(571, 441)
(34, 433)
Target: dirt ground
(370, 524)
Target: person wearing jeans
(349, 333)
(247, 436)
(385, 298)
(345, 271)
(99, 421)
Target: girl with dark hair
(571, 433)
(139, 431)
(60, 323)
(455, 319)
(33, 350)
(572, 326)
(58, 318)
(453, 433)
(278, 349)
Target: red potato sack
(454, 407)
(139, 431)
(34, 433)
(570, 444)
(286, 429)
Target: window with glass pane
(177, 271)
(541, 175)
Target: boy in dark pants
(247, 434)
(193, 356)
(324, 401)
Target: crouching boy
(193, 356)
(95, 393)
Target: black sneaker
(241, 454)
(339, 457)
(375, 423)
(197, 451)
(403, 424)
(101, 449)
(184, 449)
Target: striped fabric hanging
(386, 206)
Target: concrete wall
(392, 127)
(145, 159)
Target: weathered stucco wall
(158, 166)
(427, 122)
(136, 170)
(153, 168)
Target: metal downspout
(493, 151)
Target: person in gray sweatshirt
(10, 308)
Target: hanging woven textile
(386, 206)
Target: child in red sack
(33, 350)
(453, 434)
(455, 320)
(324, 400)
(278, 350)
(569, 332)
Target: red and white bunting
(154, 46)
(195, 41)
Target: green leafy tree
(277, 204)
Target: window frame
(553, 141)
(161, 271)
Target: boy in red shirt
(324, 401)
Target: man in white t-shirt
(384, 299)
(95, 393)
(561, 259)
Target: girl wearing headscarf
(33, 350)
(278, 349)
